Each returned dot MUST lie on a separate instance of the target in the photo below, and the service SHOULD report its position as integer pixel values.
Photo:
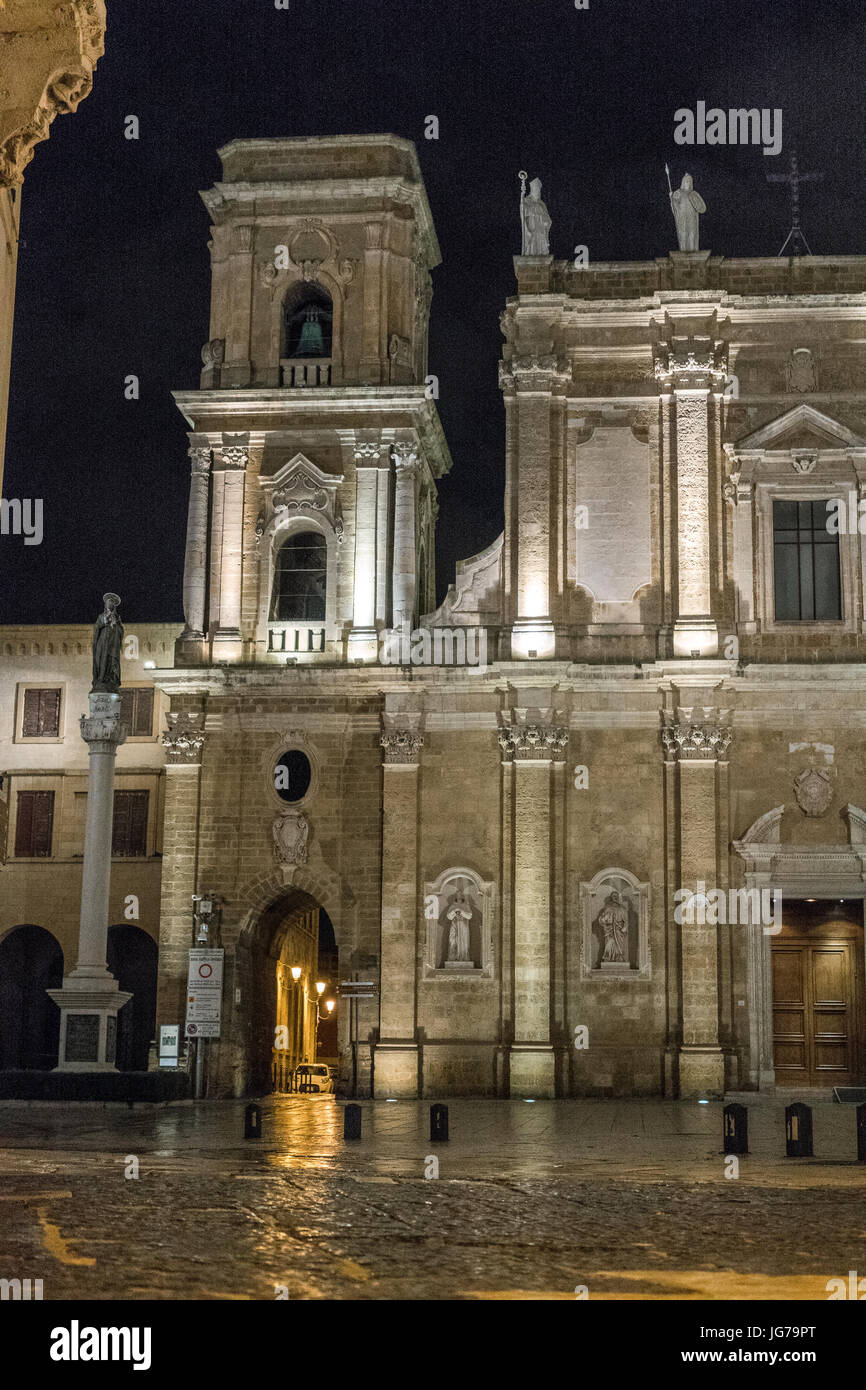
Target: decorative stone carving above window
(458, 912)
(814, 791)
(615, 927)
(800, 371)
(299, 488)
(290, 833)
(803, 462)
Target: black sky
(114, 269)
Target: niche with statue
(458, 909)
(615, 927)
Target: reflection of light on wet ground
(683, 1285)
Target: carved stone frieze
(183, 740)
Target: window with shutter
(34, 825)
(129, 835)
(41, 717)
(136, 711)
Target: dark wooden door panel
(815, 1021)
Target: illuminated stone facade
(499, 842)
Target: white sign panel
(204, 993)
(169, 1041)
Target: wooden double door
(818, 1034)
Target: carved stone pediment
(300, 488)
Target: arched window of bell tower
(300, 579)
(308, 317)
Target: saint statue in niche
(459, 915)
(613, 920)
(107, 646)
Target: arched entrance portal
(278, 965)
(132, 959)
(31, 962)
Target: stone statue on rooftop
(534, 219)
(687, 206)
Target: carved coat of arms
(291, 833)
(800, 371)
(814, 791)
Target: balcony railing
(296, 639)
(306, 371)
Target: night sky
(114, 268)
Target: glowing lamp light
(320, 986)
(150, 666)
(296, 972)
(329, 1005)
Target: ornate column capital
(184, 738)
(401, 740)
(48, 52)
(102, 729)
(691, 364)
(232, 457)
(696, 734)
(368, 453)
(405, 458)
(533, 742)
(200, 460)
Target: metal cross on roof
(794, 178)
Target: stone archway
(801, 871)
(31, 962)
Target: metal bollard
(798, 1130)
(735, 1129)
(352, 1122)
(861, 1133)
(438, 1124)
(253, 1122)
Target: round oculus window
(292, 775)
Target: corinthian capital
(534, 742)
(184, 738)
(401, 739)
(199, 459)
(696, 734)
(692, 364)
(405, 458)
(231, 456)
(48, 52)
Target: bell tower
(314, 440)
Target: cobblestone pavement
(628, 1198)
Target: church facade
(594, 825)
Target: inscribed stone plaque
(82, 1037)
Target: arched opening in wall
(277, 968)
(308, 319)
(31, 961)
(300, 579)
(132, 959)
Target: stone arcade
(674, 691)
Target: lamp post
(296, 975)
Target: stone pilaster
(530, 382)
(688, 370)
(363, 639)
(183, 742)
(696, 740)
(237, 370)
(230, 461)
(90, 998)
(396, 1058)
(195, 559)
(531, 744)
(374, 349)
(404, 574)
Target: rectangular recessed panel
(789, 1056)
(831, 1056)
(829, 975)
(788, 976)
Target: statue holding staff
(687, 206)
(535, 220)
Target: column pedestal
(90, 998)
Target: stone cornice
(48, 52)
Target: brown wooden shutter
(35, 824)
(136, 711)
(129, 834)
(41, 718)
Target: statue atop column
(534, 219)
(687, 206)
(107, 647)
